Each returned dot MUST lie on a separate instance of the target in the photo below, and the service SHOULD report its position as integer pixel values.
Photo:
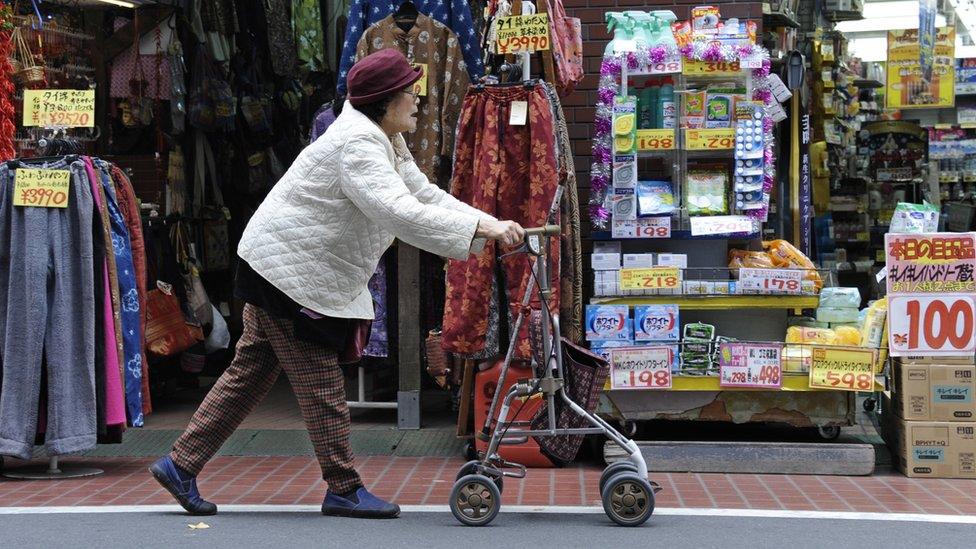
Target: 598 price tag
(843, 369)
(41, 188)
(641, 368)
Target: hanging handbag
(196, 294)
(567, 47)
(167, 333)
(214, 235)
(212, 103)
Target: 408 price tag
(641, 368)
(655, 140)
(843, 369)
(750, 365)
(715, 139)
(41, 188)
(523, 33)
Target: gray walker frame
(551, 385)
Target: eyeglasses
(414, 93)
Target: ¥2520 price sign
(59, 108)
(936, 325)
(523, 33)
(843, 369)
(641, 368)
(751, 365)
(41, 188)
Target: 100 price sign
(940, 325)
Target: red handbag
(356, 341)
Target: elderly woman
(307, 255)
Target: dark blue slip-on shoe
(361, 505)
(182, 485)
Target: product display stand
(52, 471)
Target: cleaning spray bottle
(622, 28)
(642, 27)
(667, 109)
(661, 34)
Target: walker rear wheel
(628, 499)
(475, 500)
(613, 469)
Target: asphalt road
(440, 530)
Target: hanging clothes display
(306, 17)
(455, 14)
(436, 48)
(506, 166)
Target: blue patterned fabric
(129, 298)
(455, 14)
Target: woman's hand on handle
(507, 233)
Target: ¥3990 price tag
(843, 369)
(751, 365)
(641, 368)
(41, 188)
(523, 33)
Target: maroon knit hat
(379, 75)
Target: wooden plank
(409, 336)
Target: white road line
(515, 509)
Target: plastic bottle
(662, 34)
(667, 112)
(641, 27)
(622, 28)
(653, 96)
(645, 109)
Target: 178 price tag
(715, 139)
(41, 188)
(751, 365)
(523, 33)
(771, 281)
(843, 369)
(59, 108)
(641, 368)
(655, 140)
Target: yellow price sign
(523, 33)
(843, 368)
(41, 188)
(650, 278)
(863, 236)
(711, 68)
(717, 139)
(59, 108)
(420, 86)
(655, 140)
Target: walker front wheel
(628, 499)
(613, 469)
(475, 500)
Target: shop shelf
(837, 16)
(791, 382)
(675, 235)
(716, 302)
(775, 19)
(868, 83)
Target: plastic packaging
(693, 115)
(847, 335)
(706, 192)
(872, 331)
(799, 334)
(666, 111)
(785, 255)
(654, 198)
(914, 218)
(744, 259)
(837, 314)
(840, 297)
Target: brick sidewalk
(295, 480)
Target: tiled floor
(427, 480)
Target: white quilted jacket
(321, 231)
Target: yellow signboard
(59, 108)
(710, 140)
(523, 33)
(41, 188)
(905, 87)
(711, 68)
(650, 279)
(843, 369)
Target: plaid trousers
(267, 347)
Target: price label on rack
(523, 33)
(41, 188)
(650, 278)
(665, 67)
(751, 365)
(59, 108)
(721, 224)
(843, 369)
(641, 368)
(420, 86)
(655, 140)
(771, 281)
(716, 139)
(932, 325)
(711, 68)
(642, 227)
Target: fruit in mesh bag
(785, 255)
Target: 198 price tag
(771, 281)
(751, 365)
(655, 140)
(641, 368)
(642, 227)
(943, 324)
(843, 369)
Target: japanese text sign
(41, 188)
(59, 108)
(641, 367)
(931, 263)
(750, 365)
(523, 33)
(651, 278)
(843, 369)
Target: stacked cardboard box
(930, 419)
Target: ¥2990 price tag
(41, 188)
(843, 369)
(641, 367)
(715, 139)
(755, 365)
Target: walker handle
(547, 230)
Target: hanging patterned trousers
(267, 347)
(510, 171)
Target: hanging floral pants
(510, 171)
